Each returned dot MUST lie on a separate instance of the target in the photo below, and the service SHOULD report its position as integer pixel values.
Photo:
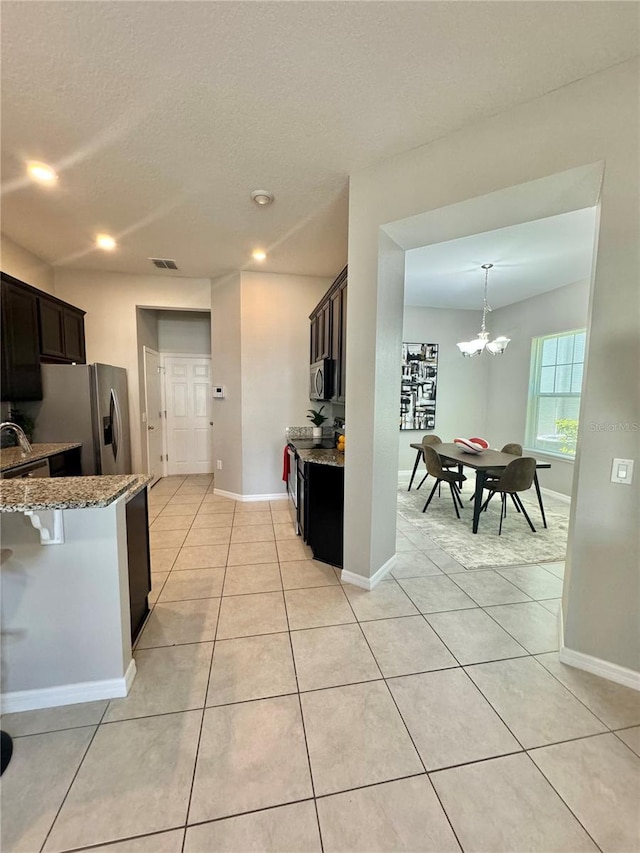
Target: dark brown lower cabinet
(138, 555)
(323, 508)
(66, 464)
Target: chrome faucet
(23, 441)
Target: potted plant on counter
(317, 419)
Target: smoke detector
(261, 197)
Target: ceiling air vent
(164, 263)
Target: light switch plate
(622, 471)
(219, 391)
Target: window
(557, 364)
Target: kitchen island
(73, 567)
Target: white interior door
(188, 422)
(153, 409)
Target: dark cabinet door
(302, 500)
(21, 378)
(313, 354)
(51, 328)
(74, 336)
(342, 379)
(326, 330)
(138, 556)
(339, 341)
(321, 332)
(65, 464)
(325, 512)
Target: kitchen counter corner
(322, 456)
(22, 495)
(13, 457)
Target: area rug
(515, 547)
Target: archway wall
(590, 127)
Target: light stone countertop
(19, 495)
(12, 457)
(320, 456)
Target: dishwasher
(30, 469)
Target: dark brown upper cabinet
(51, 328)
(36, 328)
(74, 335)
(329, 333)
(20, 343)
(61, 332)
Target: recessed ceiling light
(42, 173)
(258, 255)
(106, 242)
(262, 197)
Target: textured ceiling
(161, 117)
(529, 258)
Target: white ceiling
(528, 258)
(162, 117)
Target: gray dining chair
(495, 473)
(432, 440)
(438, 472)
(516, 477)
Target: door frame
(149, 350)
(165, 439)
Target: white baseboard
(557, 495)
(374, 580)
(278, 496)
(603, 668)
(68, 694)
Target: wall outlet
(219, 464)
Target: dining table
(481, 463)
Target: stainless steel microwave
(320, 380)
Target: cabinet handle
(150, 427)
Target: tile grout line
(304, 729)
(416, 750)
(68, 791)
(204, 709)
(479, 692)
(562, 800)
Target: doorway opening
(541, 238)
(174, 359)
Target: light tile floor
(275, 709)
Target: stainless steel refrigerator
(87, 403)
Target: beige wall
(275, 376)
(147, 335)
(543, 137)
(461, 389)
(226, 331)
(560, 310)
(110, 300)
(21, 264)
(260, 352)
(184, 332)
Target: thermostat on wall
(219, 391)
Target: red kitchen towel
(285, 464)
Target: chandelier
(482, 342)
